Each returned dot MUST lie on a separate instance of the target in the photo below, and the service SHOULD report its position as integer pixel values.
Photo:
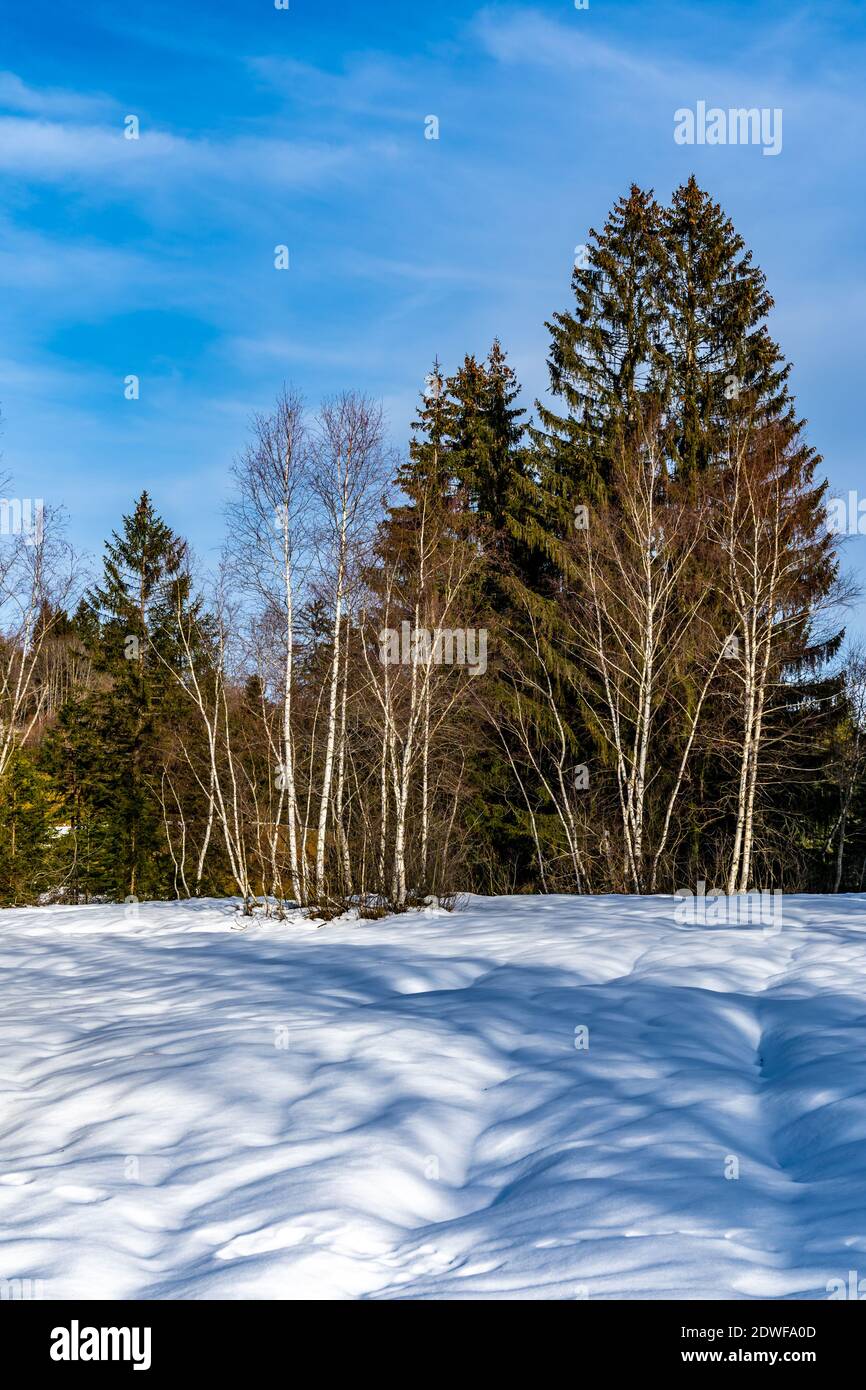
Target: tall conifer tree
(111, 739)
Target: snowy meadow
(553, 1097)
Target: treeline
(590, 651)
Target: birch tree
(37, 577)
(637, 595)
(346, 479)
(779, 576)
(268, 531)
(422, 655)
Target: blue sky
(305, 127)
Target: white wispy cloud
(276, 347)
(18, 95)
(762, 72)
(528, 38)
(51, 151)
(371, 85)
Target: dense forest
(598, 648)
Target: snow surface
(400, 1109)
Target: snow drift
(531, 1097)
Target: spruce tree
(491, 462)
(726, 390)
(27, 831)
(604, 355)
(669, 320)
(111, 740)
(426, 477)
(721, 367)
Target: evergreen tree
(492, 465)
(721, 367)
(27, 831)
(426, 477)
(111, 741)
(669, 320)
(498, 495)
(604, 355)
(468, 457)
(72, 754)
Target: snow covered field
(408, 1108)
